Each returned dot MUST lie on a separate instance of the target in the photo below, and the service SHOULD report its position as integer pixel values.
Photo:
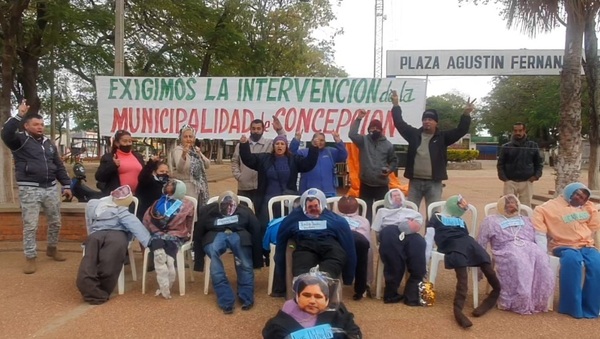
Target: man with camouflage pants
(37, 168)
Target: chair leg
(144, 270)
(190, 263)
(132, 263)
(433, 267)
(181, 272)
(475, 286)
(379, 278)
(271, 270)
(206, 274)
(121, 281)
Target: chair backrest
(243, 199)
(194, 201)
(523, 209)
(379, 203)
(284, 202)
(437, 206)
(333, 205)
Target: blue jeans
(243, 267)
(574, 300)
(422, 188)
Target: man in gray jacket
(377, 160)
(110, 227)
(248, 178)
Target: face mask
(375, 135)
(125, 148)
(255, 136)
(164, 178)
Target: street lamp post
(119, 37)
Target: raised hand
(395, 98)
(277, 124)
(336, 136)
(298, 135)
(243, 139)
(23, 107)
(361, 114)
(116, 161)
(470, 106)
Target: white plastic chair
(437, 257)
(333, 201)
(523, 209)
(121, 281)
(206, 258)
(284, 201)
(181, 255)
(379, 278)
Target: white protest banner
(222, 108)
(474, 62)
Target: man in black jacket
(227, 225)
(520, 164)
(427, 147)
(37, 169)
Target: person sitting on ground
(361, 230)
(110, 227)
(228, 225)
(401, 247)
(322, 238)
(461, 251)
(570, 220)
(523, 268)
(309, 314)
(170, 220)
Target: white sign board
(474, 62)
(223, 108)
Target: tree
(592, 74)
(533, 100)
(534, 16)
(450, 107)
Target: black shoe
(247, 307)
(393, 300)
(411, 303)
(227, 310)
(357, 296)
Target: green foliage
(462, 155)
(450, 107)
(533, 100)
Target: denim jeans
(422, 188)
(243, 268)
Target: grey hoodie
(374, 154)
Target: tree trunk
(569, 147)
(591, 74)
(11, 23)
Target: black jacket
(438, 145)
(261, 162)
(149, 189)
(37, 162)
(206, 230)
(519, 161)
(107, 174)
(341, 320)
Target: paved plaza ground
(47, 304)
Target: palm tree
(533, 16)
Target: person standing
(121, 166)
(377, 160)
(427, 150)
(246, 177)
(520, 164)
(189, 165)
(323, 175)
(37, 169)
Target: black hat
(431, 114)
